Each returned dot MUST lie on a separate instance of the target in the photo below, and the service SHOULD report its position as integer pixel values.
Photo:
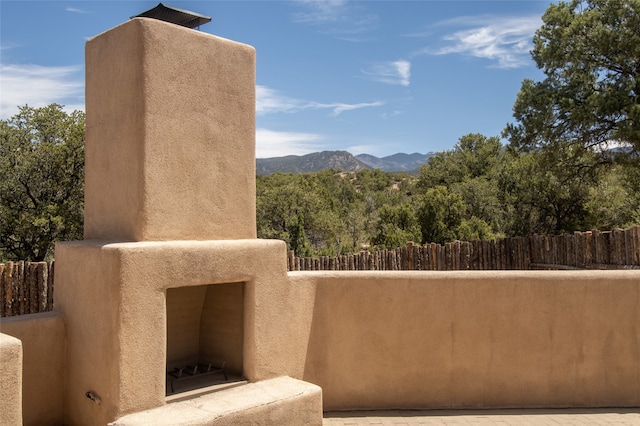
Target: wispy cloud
(7, 46)
(339, 108)
(270, 143)
(269, 101)
(394, 113)
(393, 72)
(39, 86)
(337, 18)
(504, 40)
(76, 10)
(320, 11)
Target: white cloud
(270, 143)
(393, 72)
(504, 40)
(38, 86)
(76, 10)
(269, 101)
(339, 108)
(337, 18)
(320, 11)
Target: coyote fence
(618, 249)
(28, 287)
(25, 288)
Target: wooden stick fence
(618, 249)
(26, 288)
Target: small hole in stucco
(93, 397)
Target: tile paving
(521, 417)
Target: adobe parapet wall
(474, 339)
(432, 339)
(42, 373)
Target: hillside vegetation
(339, 160)
(478, 190)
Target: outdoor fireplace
(171, 289)
(204, 335)
(164, 286)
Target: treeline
(479, 190)
(571, 163)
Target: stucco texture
(474, 339)
(170, 138)
(113, 296)
(43, 345)
(281, 401)
(11, 373)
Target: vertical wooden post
(2, 289)
(42, 276)
(617, 246)
(32, 273)
(50, 283)
(411, 262)
(19, 282)
(635, 235)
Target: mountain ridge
(340, 160)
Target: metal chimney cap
(174, 15)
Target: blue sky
(376, 77)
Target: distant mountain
(397, 162)
(338, 160)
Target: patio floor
(607, 416)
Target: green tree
(547, 192)
(300, 210)
(41, 181)
(468, 173)
(589, 52)
(474, 156)
(333, 212)
(615, 201)
(440, 215)
(396, 226)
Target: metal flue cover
(174, 15)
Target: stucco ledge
(282, 401)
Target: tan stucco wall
(170, 139)
(43, 345)
(369, 340)
(11, 380)
(113, 297)
(474, 339)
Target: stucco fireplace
(170, 273)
